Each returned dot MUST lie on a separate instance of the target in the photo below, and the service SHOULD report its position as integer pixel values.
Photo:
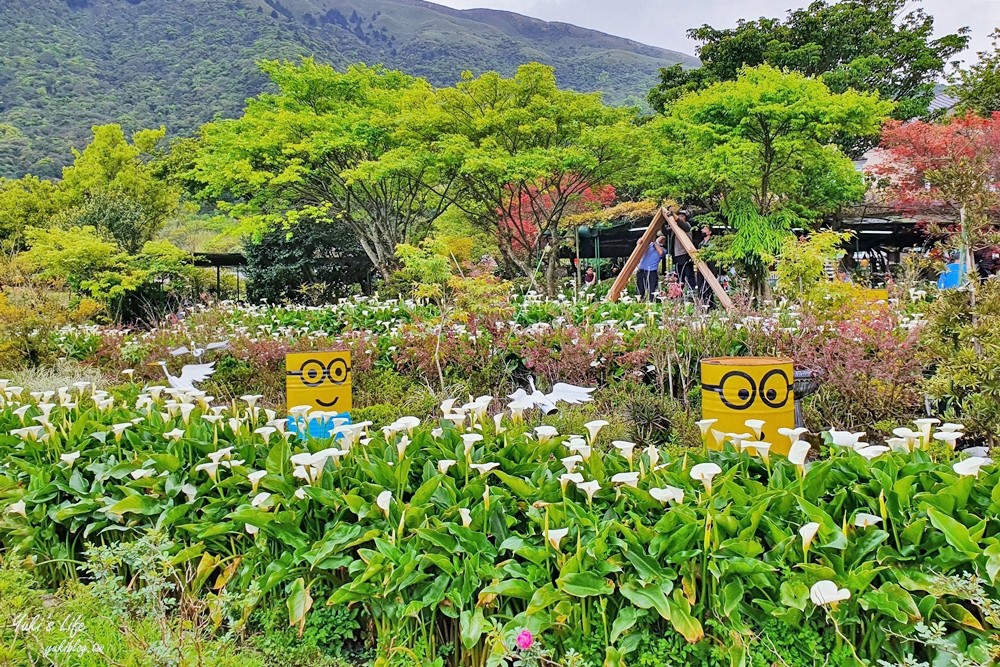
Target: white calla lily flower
(570, 462)
(872, 451)
(626, 478)
(668, 494)
(755, 425)
(925, 424)
(18, 508)
(971, 466)
(444, 464)
(594, 427)
(466, 515)
(865, 520)
(191, 491)
(568, 477)
(255, 477)
(755, 448)
(824, 593)
(704, 472)
(626, 448)
(808, 532)
(70, 458)
(544, 433)
(469, 441)
(793, 434)
(704, 425)
(948, 437)
(845, 439)
(589, 488)
(383, 501)
(484, 468)
(260, 499)
(798, 453)
(653, 454)
(555, 536)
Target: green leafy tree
(114, 183)
(298, 152)
(111, 186)
(867, 45)
(758, 150)
(131, 286)
(516, 148)
(978, 87)
(25, 202)
(310, 261)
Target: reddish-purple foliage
(869, 367)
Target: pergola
(218, 261)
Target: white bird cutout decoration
(561, 392)
(196, 351)
(190, 375)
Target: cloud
(665, 22)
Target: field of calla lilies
(477, 531)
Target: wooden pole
(625, 275)
(702, 267)
(663, 216)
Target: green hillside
(66, 65)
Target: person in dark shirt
(589, 277)
(682, 260)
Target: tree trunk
(551, 266)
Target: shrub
(869, 368)
(962, 348)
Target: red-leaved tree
(946, 174)
(530, 219)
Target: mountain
(66, 65)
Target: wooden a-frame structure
(663, 216)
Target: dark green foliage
(116, 216)
(978, 87)
(66, 65)
(331, 635)
(868, 45)
(670, 649)
(312, 261)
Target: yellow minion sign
(321, 380)
(737, 389)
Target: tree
(867, 45)
(300, 150)
(758, 150)
(25, 202)
(141, 287)
(113, 184)
(522, 148)
(946, 174)
(978, 88)
(519, 224)
(118, 217)
(310, 261)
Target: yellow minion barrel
(735, 389)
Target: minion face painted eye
(736, 389)
(775, 388)
(319, 379)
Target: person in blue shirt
(646, 277)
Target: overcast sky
(664, 22)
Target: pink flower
(524, 640)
